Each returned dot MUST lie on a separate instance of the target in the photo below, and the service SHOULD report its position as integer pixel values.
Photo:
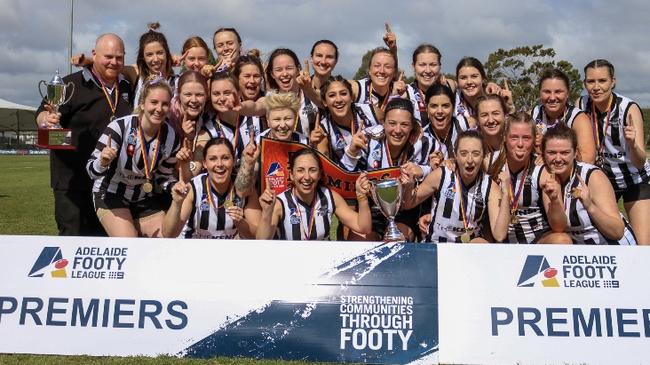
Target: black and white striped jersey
(532, 222)
(367, 97)
(580, 228)
(616, 164)
(462, 110)
(340, 137)
(205, 221)
(376, 156)
(543, 123)
(126, 173)
(446, 220)
(295, 221)
(238, 135)
(446, 145)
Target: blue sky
(34, 33)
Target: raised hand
(399, 86)
(108, 153)
(551, 187)
(506, 95)
(251, 151)
(304, 78)
(177, 61)
(582, 192)
(180, 191)
(630, 132)
(317, 135)
(185, 153)
(504, 179)
(268, 197)
(188, 126)
(435, 159)
(390, 39)
(358, 143)
(207, 70)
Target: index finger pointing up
(307, 67)
(388, 30)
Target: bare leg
(555, 238)
(638, 213)
(151, 226)
(117, 222)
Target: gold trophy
(56, 94)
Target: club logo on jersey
(50, 260)
(205, 204)
(537, 270)
(294, 216)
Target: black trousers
(75, 214)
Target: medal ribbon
(235, 131)
(459, 186)
(105, 90)
(594, 118)
(208, 188)
(312, 214)
(386, 97)
(390, 158)
(148, 167)
(514, 198)
(567, 188)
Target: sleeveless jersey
(368, 98)
(530, 210)
(616, 164)
(446, 220)
(126, 173)
(340, 137)
(581, 229)
(542, 122)
(205, 221)
(238, 136)
(446, 146)
(296, 216)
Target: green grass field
(26, 200)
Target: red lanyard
(148, 166)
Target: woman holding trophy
(305, 210)
(400, 144)
(462, 198)
(133, 162)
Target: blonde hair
(150, 83)
(282, 100)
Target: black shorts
(141, 209)
(634, 193)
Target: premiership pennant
(275, 169)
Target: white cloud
(34, 33)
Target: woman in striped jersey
(342, 119)
(133, 163)
(376, 89)
(528, 222)
(491, 114)
(427, 68)
(620, 144)
(554, 108)
(464, 198)
(590, 209)
(472, 83)
(209, 206)
(305, 210)
(281, 73)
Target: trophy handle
(40, 91)
(70, 86)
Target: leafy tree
(521, 66)
(362, 71)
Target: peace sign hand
(304, 78)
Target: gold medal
(514, 219)
(465, 237)
(576, 193)
(147, 187)
(228, 203)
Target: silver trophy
(56, 94)
(387, 194)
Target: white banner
(539, 304)
(323, 301)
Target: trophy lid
(57, 80)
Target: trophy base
(393, 234)
(55, 139)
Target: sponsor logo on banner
(50, 260)
(276, 176)
(537, 270)
(87, 263)
(575, 271)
